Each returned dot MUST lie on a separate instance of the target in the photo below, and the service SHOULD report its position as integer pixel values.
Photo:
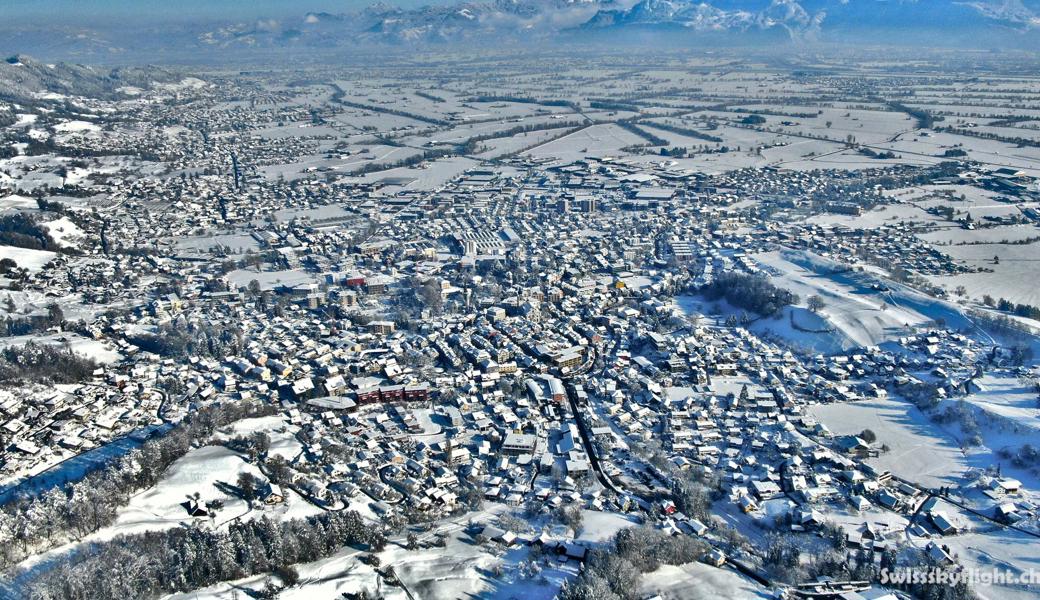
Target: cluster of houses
(507, 337)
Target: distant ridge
(975, 24)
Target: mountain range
(978, 23)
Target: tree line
(429, 97)
(33, 524)
(986, 135)
(778, 113)
(35, 362)
(750, 292)
(631, 127)
(524, 100)
(191, 339)
(338, 96)
(614, 573)
(410, 161)
(513, 131)
(925, 120)
(1019, 310)
(157, 563)
(686, 131)
(23, 230)
(611, 105)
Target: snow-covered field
(94, 349)
(919, 451)
(66, 233)
(211, 471)
(1004, 550)
(237, 242)
(431, 176)
(203, 471)
(1013, 278)
(16, 201)
(76, 127)
(857, 315)
(1008, 397)
(501, 146)
(698, 581)
(269, 279)
(889, 213)
(936, 455)
(25, 258)
(597, 140)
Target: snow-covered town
(603, 333)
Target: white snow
(698, 581)
(14, 201)
(76, 127)
(64, 232)
(33, 260)
(862, 318)
(25, 120)
(919, 451)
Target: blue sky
(179, 9)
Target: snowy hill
(23, 77)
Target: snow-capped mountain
(702, 16)
(385, 23)
(810, 17)
(973, 23)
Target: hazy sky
(180, 9)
